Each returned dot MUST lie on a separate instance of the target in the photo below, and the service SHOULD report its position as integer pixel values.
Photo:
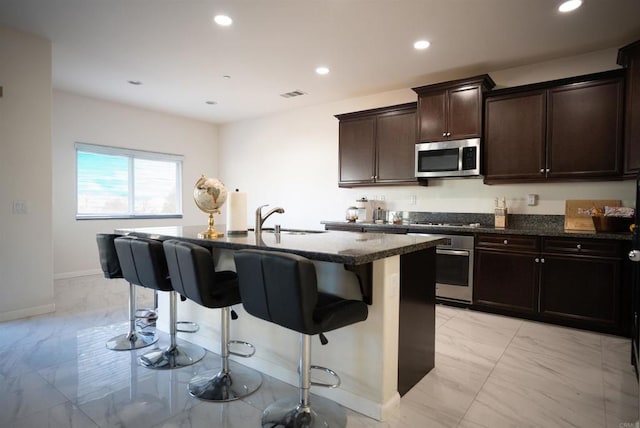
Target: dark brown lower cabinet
(506, 280)
(580, 284)
(568, 281)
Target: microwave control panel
(469, 156)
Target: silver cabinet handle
(634, 255)
(548, 170)
(505, 242)
(448, 134)
(542, 260)
(444, 134)
(541, 170)
(537, 260)
(579, 247)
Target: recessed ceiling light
(569, 5)
(322, 70)
(223, 20)
(211, 103)
(422, 44)
(134, 82)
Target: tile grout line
(489, 375)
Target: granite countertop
(553, 228)
(337, 247)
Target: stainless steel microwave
(455, 158)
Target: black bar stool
(282, 288)
(143, 263)
(110, 265)
(193, 275)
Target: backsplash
(516, 221)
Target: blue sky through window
(104, 183)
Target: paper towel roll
(237, 213)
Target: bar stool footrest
(146, 313)
(243, 343)
(330, 372)
(191, 327)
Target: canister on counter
(501, 213)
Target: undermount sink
(292, 231)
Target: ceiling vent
(292, 94)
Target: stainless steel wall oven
(454, 269)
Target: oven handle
(453, 252)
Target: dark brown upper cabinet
(452, 110)
(569, 129)
(629, 57)
(377, 146)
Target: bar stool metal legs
(173, 356)
(226, 384)
(133, 339)
(291, 413)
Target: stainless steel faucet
(260, 220)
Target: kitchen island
(379, 359)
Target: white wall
(291, 160)
(81, 119)
(26, 255)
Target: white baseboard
(27, 312)
(67, 275)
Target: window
(113, 182)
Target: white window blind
(113, 182)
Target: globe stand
(211, 232)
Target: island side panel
(416, 348)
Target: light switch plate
(20, 207)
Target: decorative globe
(209, 195)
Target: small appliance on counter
(352, 214)
(379, 215)
(365, 213)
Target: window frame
(131, 155)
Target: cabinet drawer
(582, 246)
(508, 242)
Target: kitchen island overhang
(378, 359)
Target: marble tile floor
(491, 371)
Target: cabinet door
(396, 142)
(507, 281)
(582, 290)
(514, 143)
(431, 112)
(464, 116)
(357, 150)
(584, 135)
(631, 56)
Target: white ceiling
(273, 47)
